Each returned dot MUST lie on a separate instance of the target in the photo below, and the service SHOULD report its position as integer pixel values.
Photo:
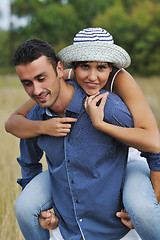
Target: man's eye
(27, 84)
(41, 79)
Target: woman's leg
(140, 201)
(36, 197)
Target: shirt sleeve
(153, 160)
(29, 159)
(30, 155)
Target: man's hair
(32, 49)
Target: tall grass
(151, 90)
(12, 95)
(9, 169)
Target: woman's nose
(92, 76)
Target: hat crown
(93, 35)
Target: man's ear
(60, 69)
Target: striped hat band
(93, 35)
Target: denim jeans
(140, 201)
(36, 197)
(138, 197)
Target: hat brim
(94, 51)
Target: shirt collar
(75, 104)
(77, 100)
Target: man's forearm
(155, 179)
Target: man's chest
(83, 141)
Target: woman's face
(92, 76)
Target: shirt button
(77, 201)
(80, 220)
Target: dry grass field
(12, 95)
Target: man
(87, 166)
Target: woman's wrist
(41, 127)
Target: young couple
(85, 140)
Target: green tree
(51, 21)
(87, 9)
(4, 41)
(146, 49)
(134, 25)
(137, 31)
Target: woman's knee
(138, 195)
(25, 209)
(35, 197)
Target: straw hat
(94, 44)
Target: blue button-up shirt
(86, 169)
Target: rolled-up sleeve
(153, 160)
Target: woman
(143, 136)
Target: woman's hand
(58, 127)
(94, 106)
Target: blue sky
(5, 16)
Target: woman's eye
(84, 66)
(101, 67)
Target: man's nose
(37, 89)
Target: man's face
(40, 80)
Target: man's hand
(48, 220)
(125, 219)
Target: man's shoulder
(36, 113)
(116, 112)
(113, 99)
(116, 100)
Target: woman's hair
(32, 49)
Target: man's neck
(64, 98)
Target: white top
(69, 74)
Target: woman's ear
(111, 69)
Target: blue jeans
(138, 197)
(140, 201)
(36, 197)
